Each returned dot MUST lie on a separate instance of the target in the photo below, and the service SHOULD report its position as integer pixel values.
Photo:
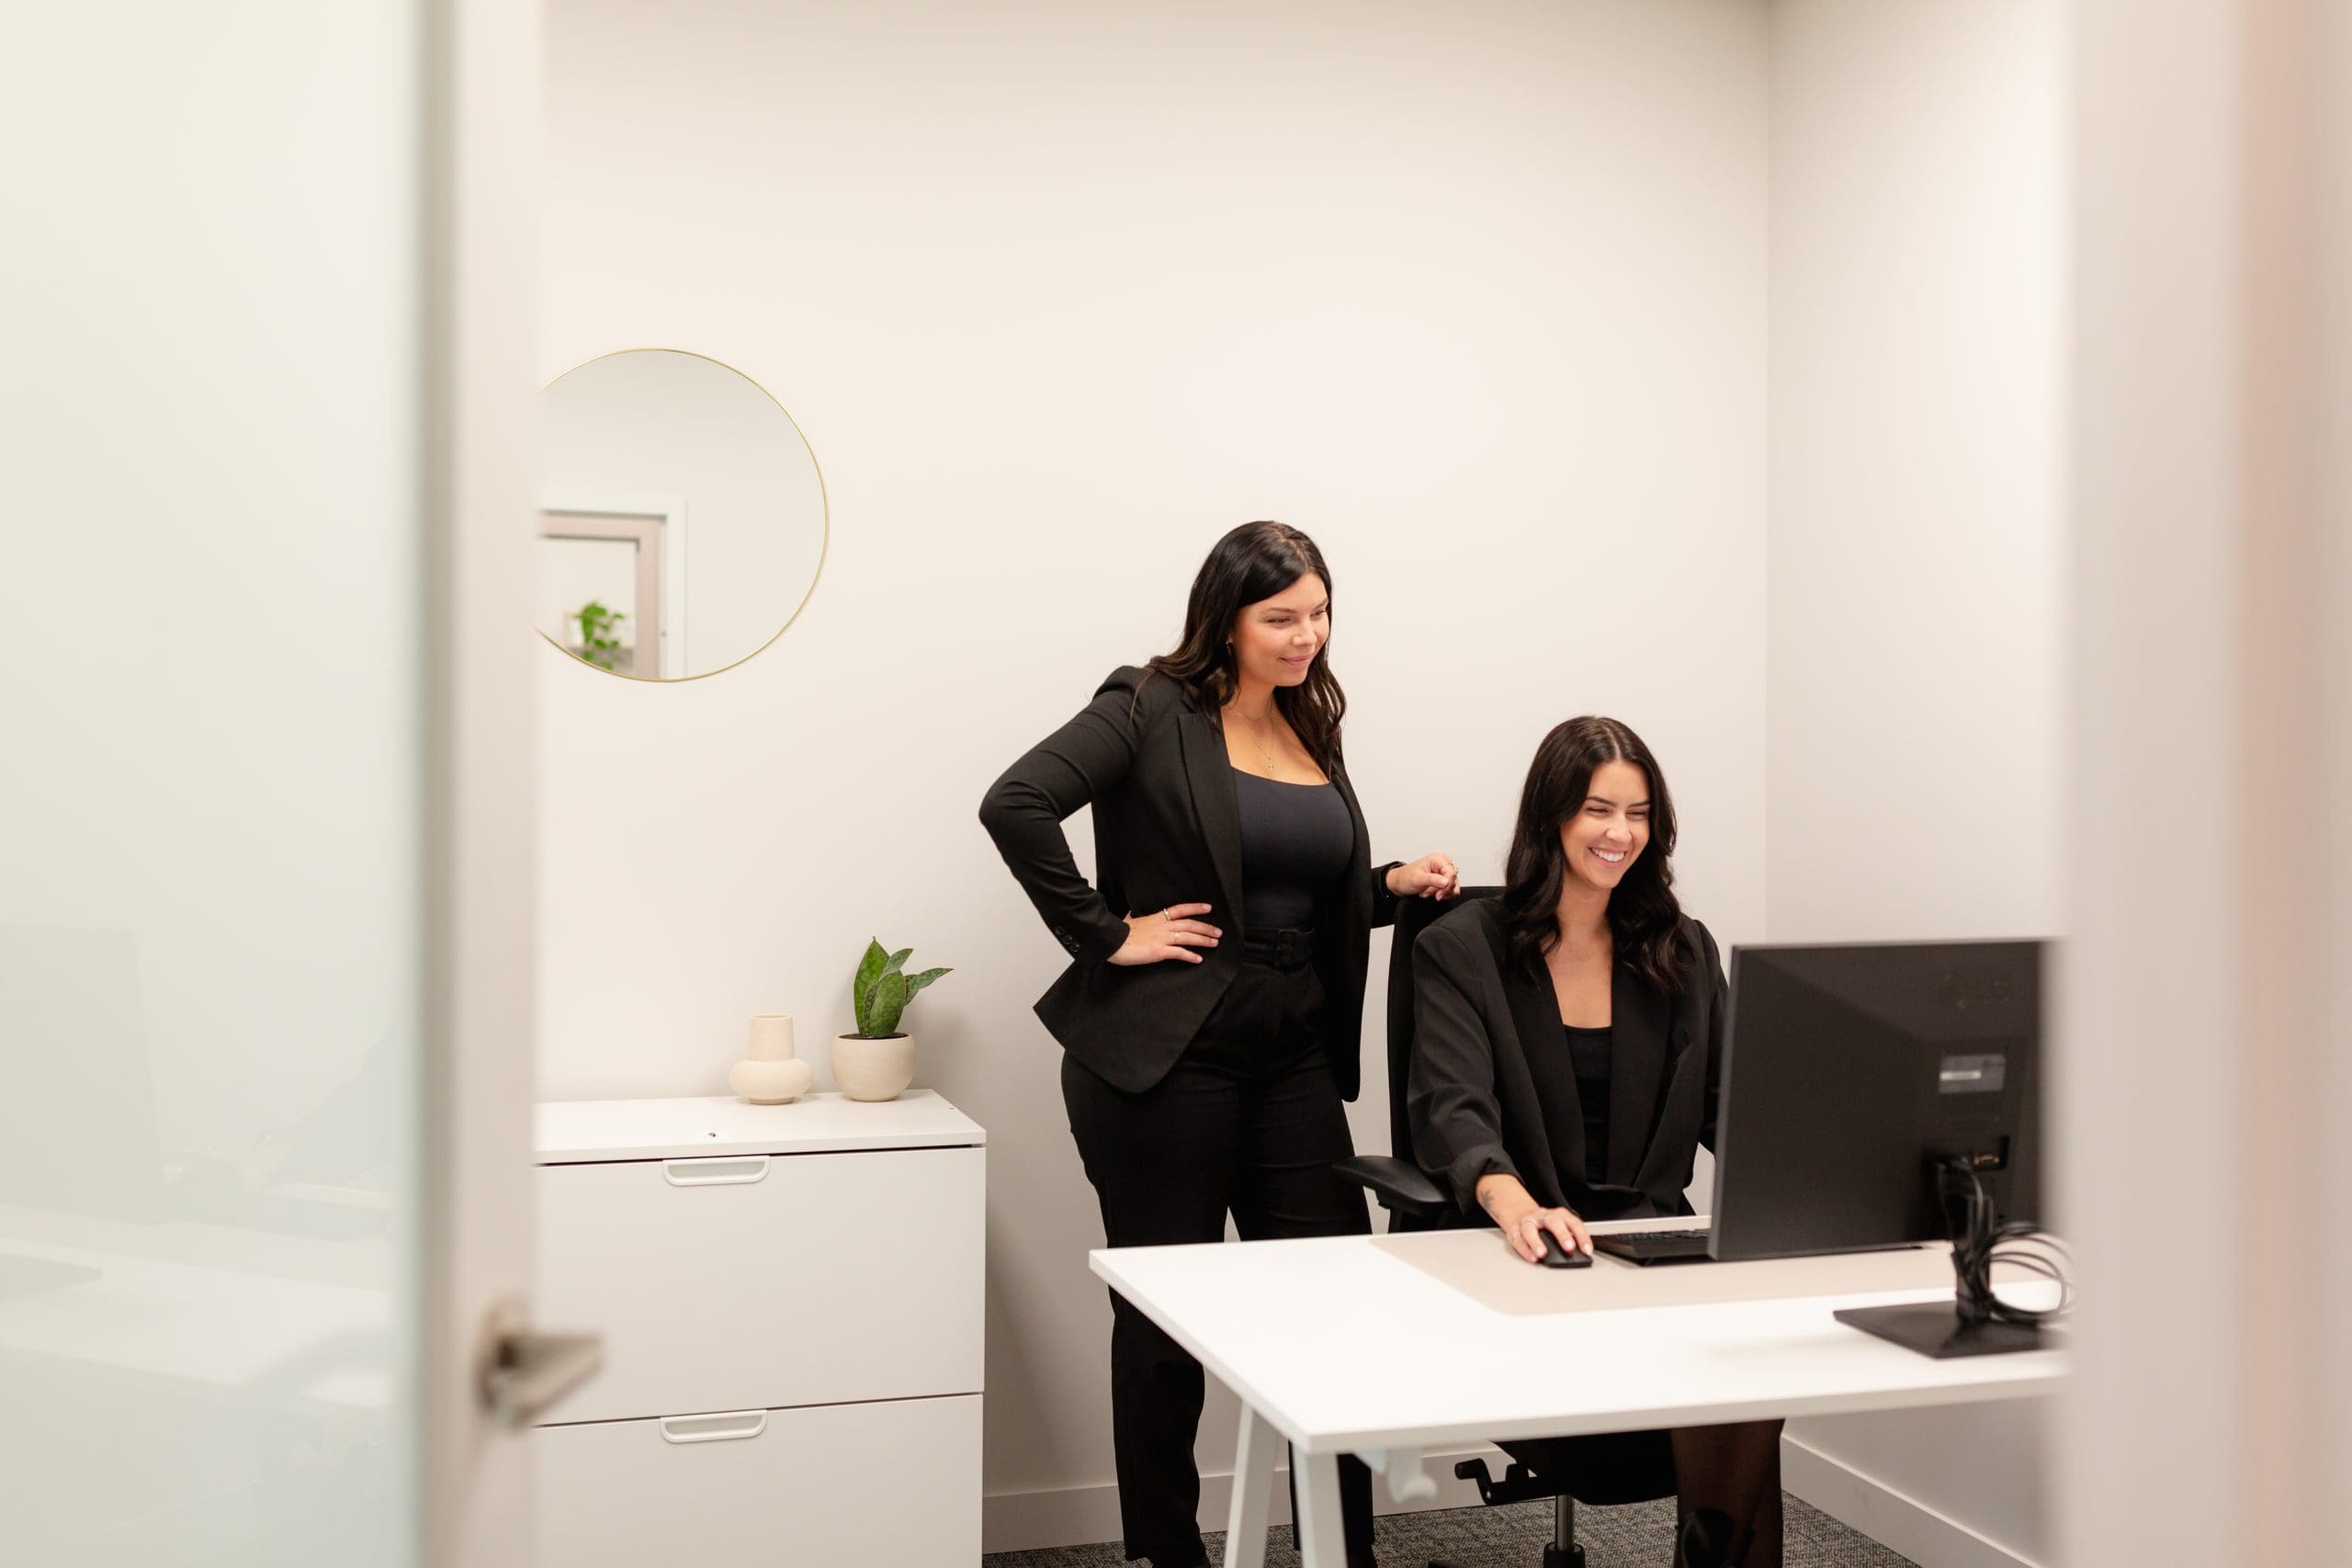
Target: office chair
(1414, 1203)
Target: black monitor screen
(1849, 1070)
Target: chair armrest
(1398, 1185)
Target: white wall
(1474, 293)
(1915, 666)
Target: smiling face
(1608, 833)
(1276, 641)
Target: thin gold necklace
(1258, 735)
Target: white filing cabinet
(790, 1302)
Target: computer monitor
(1854, 1075)
(77, 1123)
(78, 1130)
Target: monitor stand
(1945, 1329)
(1936, 1329)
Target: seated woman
(1567, 1044)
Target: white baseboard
(1893, 1518)
(1080, 1516)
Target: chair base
(1521, 1484)
(1554, 1557)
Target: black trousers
(1249, 1122)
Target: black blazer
(1470, 1101)
(1167, 831)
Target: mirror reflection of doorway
(677, 437)
(600, 582)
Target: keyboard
(1654, 1247)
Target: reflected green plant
(597, 645)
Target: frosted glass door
(217, 438)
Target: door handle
(521, 1371)
(724, 1427)
(714, 1172)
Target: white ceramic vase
(874, 1069)
(770, 1075)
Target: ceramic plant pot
(874, 1069)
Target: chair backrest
(1414, 918)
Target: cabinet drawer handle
(725, 1427)
(714, 1172)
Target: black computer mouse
(1558, 1257)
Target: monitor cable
(1980, 1240)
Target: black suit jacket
(1167, 831)
(1470, 1101)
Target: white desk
(1342, 1346)
(190, 1391)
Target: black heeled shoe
(1709, 1541)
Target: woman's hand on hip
(1163, 934)
(1432, 876)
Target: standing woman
(1211, 1013)
(1567, 1057)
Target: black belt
(1279, 947)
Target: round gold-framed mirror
(682, 521)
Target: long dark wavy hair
(1256, 561)
(1644, 915)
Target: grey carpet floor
(1637, 1536)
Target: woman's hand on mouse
(1527, 1236)
(1432, 876)
(1163, 934)
(1523, 1221)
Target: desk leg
(1253, 1491)
(1322, 1538)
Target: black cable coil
(1978, 1243)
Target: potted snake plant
(877, 1062)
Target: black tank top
(1295, 840)
(1581, 1072)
